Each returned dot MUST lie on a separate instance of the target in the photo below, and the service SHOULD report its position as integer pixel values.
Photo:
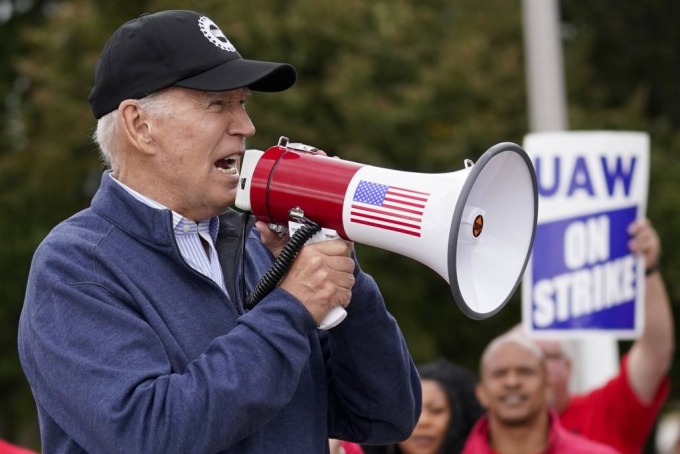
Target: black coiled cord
(282, 263)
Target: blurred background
(415, 85)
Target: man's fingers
(274, 241)
(636, 227)
(645, 241)
(340, 264)
(343, 280)
(334, 247)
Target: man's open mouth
(228, 165)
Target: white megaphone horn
(474, 227)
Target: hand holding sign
(645, 242)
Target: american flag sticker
(388, 207)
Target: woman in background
(450, 409)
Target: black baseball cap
(176, 48)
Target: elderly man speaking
(134, 336)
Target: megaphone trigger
(279, 229)
(322, 235)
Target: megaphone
(475, 227)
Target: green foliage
(415, 85)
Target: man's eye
(216, 103)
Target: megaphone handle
(333, 318)
(280, 266)
(338, 313)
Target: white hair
(107, 134)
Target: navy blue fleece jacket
(128, 349)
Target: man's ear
(481, 395)
(136, 125)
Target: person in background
(8, 448)
(515, 390)
(667, 440)
(450, 410)
(622, 412)
(344, 447)
(135, 336)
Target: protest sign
(581, 278)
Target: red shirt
(7, 448)
(351, 448)
(559, 440)
(614, 415)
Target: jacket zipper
(201, 275)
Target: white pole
(544, 67)
(595, 360)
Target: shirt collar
(183, 226)
(180, 224)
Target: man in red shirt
(622, 412)
(515, 390)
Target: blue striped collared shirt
(187, 234)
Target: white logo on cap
(214, 34)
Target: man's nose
(511, 379)
(242, 125)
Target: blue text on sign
(580, 178)
(583, 273)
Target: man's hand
(274, 241)
(321, 277)
(645, 241)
